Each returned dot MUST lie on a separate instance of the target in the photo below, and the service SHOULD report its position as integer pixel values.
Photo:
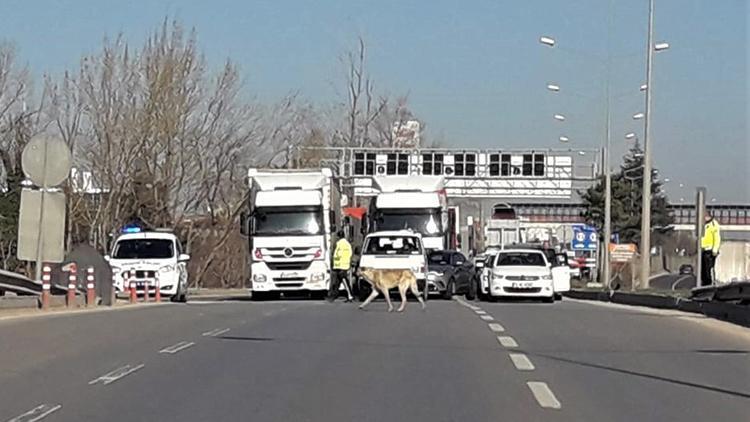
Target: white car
(524, 273)
(402, 249)
(147, 256)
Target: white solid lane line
(506, 341)
(176, 347)
(38, 413)
(116, 374)
(543, 395)
(521, 362)
(495, 327)
(486, 318)
(215, 332)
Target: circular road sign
(46, 161)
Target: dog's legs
(388, 300)
(372, 296)
(402, 290)
(417, 294)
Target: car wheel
(318, 295)
(259, 296)
(471, 294)
(550, 299)
(558, 296)
(449, 290)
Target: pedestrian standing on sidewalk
(710, 244)
(342, 261)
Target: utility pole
(607, 170)
(646, 206)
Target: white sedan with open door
(523, 273)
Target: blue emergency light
(131, 229)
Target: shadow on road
(657, 377)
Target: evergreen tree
(627, 196)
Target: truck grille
(289, 266)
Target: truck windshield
(288, 221)
(518, 259)
(424, 222)
(143, 248)
(393, 245)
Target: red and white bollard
(46, 280)
(157, 286)
(70, 299)
(145, 290)
(90, 293)
(131, 286)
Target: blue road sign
(585, 238)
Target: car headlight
(436, 273)
(498, 277)
(259, 278)
(317, 277)
(547, 277)
(166, 269)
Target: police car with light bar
(149, 260)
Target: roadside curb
(736, 314)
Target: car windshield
(393, 245)
(518, 259)
(286, 221)
(143, 248)
(424, 222)
(439, 258)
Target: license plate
(522, 285)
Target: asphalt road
(312, 361)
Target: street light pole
(646, 206)
(607, 169)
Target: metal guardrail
(738, 291)
(24, 286)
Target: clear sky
(474, 70)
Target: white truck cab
(148, 257)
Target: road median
(730, 312)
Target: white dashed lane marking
(521, 362)
(116, 374)
(215, 333)
(495, 327)
(543, 395)
(480, 312)
(486, 318)
(177, 347)
(506, 341)
(38, 413)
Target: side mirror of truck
(107, 258)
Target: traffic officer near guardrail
(710, 244)
(342, 261)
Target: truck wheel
(449, 290)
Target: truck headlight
(259, 278)
(318, 276)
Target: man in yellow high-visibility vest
(710, 244)
(342, 261)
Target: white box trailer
(291, 228)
